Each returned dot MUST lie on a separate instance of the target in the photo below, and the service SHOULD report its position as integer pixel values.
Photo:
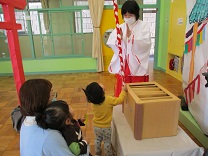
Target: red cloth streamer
(115, 4)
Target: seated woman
(34, 96)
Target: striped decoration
(115, 8)
(189, 37)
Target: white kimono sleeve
(138, 50)
(112, 42)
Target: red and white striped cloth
(118, 30)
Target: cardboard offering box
(151, 110)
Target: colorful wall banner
(196, 62)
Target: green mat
(190, 123)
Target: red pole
(11, 26)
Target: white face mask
(130, 20)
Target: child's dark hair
(94, 93)
(131, 7)
(54, 116)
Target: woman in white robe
(136, 45)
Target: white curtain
(96, 10)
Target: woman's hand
(128, 31)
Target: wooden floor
(69, 88)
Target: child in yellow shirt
(103, 110)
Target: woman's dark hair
(94, 93)
(131, 7)
(34, 96)
(55, 115)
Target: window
(34, 18)
(21, 18)
(86, 24)
(83, 22)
